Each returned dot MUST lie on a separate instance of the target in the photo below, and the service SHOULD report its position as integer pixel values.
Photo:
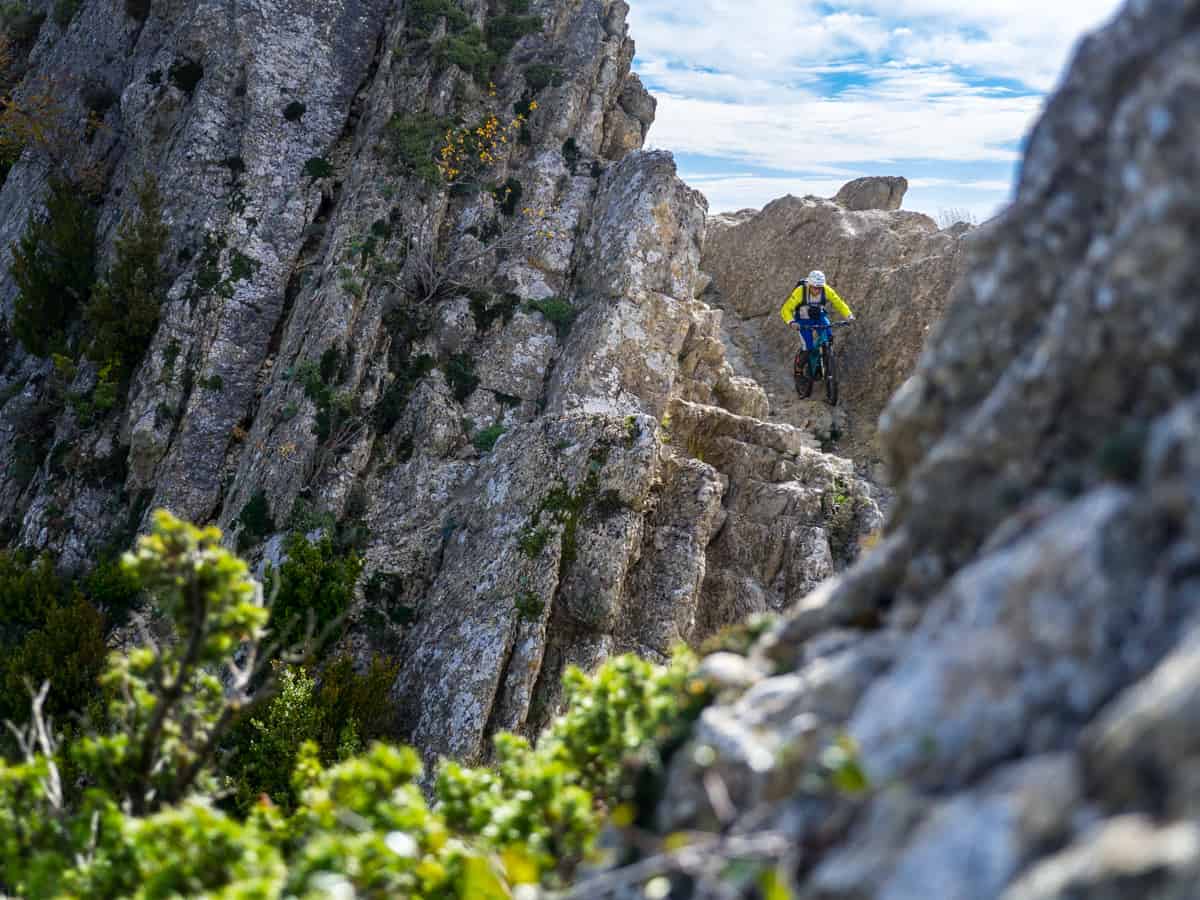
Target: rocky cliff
(421, 291)
(895, 268)
(1016, 662)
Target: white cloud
(819, 87)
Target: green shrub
(460, 374)
(147, 825)
(485, 440)
(313, 587)
(411, 139)
(487, 309)
(557, 311)
(316, 167)
(570, 152)
(294, 111)
(185, 74)
(54, 267)
(504, 31)
(68, 651)
(122, 315)
(469, 51)
(391, 405)
(64, 11)
(540, 76)
(50, 630)
(21, 23)
(256, 521)
(423, 17)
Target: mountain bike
(819, 363)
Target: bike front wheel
(831, 381)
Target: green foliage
(467, 50)
(391, 405)
(256, 521)
(533, 541)
(487, 309)
(1120, 456)
(460, 374)
(64, 11)
(485, 439)
(68, 650)
(185, 74)
(146, 824)
(313, 588)
(316, 167)
(20, 22)
(571, 154)
(529, 606)
(424, 15)
(53, 266)
(122, 315)
(540, 76)
(739, 638)
(540, 804)
(557, 311)
(411, 140)
(294, 111)
(504, 31)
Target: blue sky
(761, 98)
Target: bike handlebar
(845, 324)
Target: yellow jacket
(797, 298)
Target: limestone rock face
(895, 269)
(509, 399)
(873, 193)
(1016, 660)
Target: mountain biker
(808, 303)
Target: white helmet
(816, 279)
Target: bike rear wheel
(831, 381)
(804, 382)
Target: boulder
(874, 192)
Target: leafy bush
(570, 152)
(185, 74)
(540, 76)
(469, 51)
(256, 521)
(460, 373)
(317, 167)
(424, 15)
(504, 31)
(122, 315)
(147, 824)
(68, 650)
(20, 22)
(410, 140)
(485, 440)
(54, 266)
(557, 311)
(314, 586)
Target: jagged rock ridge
(1017, 659)
(507, 380)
